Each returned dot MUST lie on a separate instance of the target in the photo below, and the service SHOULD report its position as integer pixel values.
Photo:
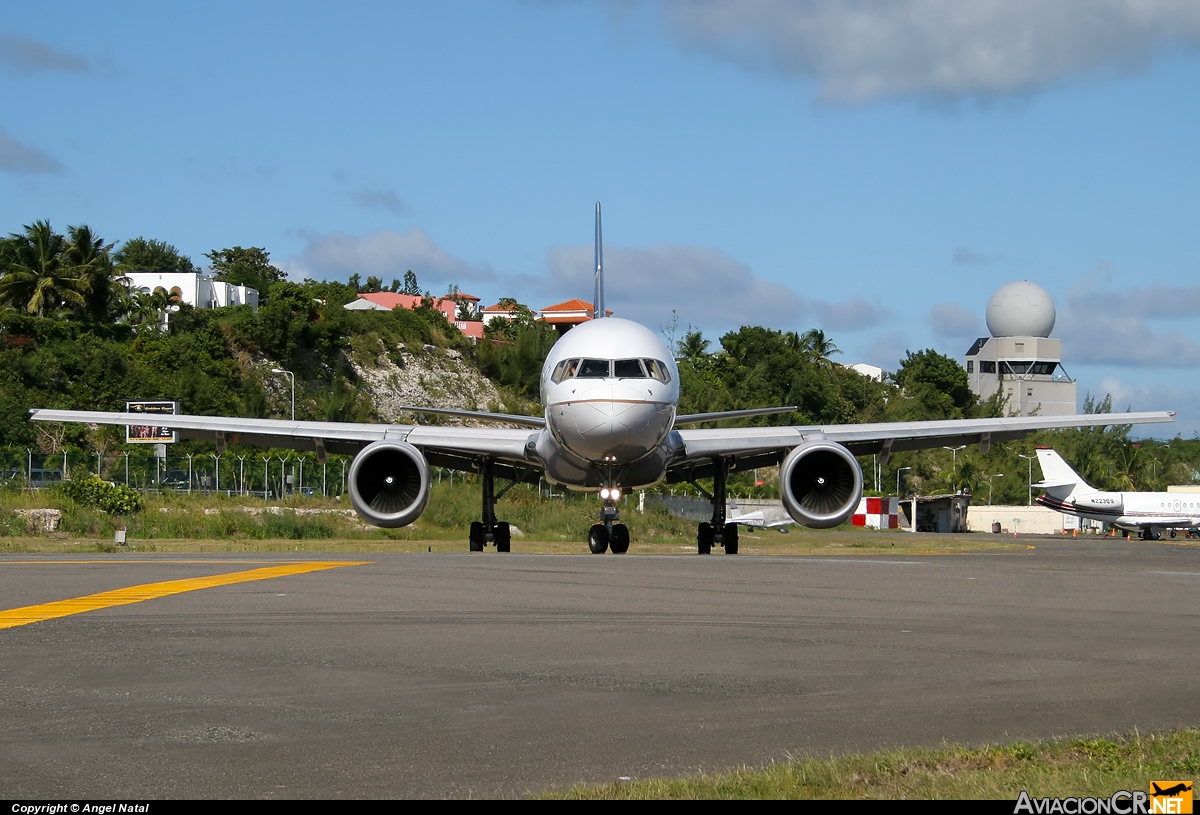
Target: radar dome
(1020, 309)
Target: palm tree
(38, 276)
(693, 346)
(818, 348)
(91, 258)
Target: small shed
(937, 513)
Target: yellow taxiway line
(150, 591)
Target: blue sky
(874, 169)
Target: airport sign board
(150, 433)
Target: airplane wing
(455, 447)
(763, 446)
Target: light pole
(902, 469)
(989, 478)
(292, 377)
(954, 461)
(1030, 460)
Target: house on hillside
(194, 288)
(447, 305)
(565, 316)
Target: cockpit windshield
(628, 369)
(593, 369)
(606, 369)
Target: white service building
(195, 288)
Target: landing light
(610, 494)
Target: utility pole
(1030, 460)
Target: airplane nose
(623, 431)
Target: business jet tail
(1058, 478)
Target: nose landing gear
(608, 534)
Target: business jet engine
(389, 483)
(821, 484)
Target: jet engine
(821, 484)
(389, 483)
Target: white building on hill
(194, 288)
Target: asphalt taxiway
(489, 675)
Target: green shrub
(96, 492)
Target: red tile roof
(570, 305)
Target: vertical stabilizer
(1057, 476)
(598, 298)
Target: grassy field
(194, 523)
(1076, 767)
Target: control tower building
(1020, 360)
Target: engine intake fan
(389, 483)
(821, 484)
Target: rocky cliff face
(430, 378)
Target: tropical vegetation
(75, 334)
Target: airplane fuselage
(1131, 510)
(610, 388)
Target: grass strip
(1059, 768)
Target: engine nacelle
(821, 484)
(389, 483)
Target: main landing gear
(717, 532)
(608, 534)
(489, 530)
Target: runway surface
(459, 675)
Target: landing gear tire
(1172, 533)
(619, 540)
(598, 539)
(731, 539)
(704, 538)
(477, 536)
(503, 537)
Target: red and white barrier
(877, 513)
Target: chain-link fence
(262, 476)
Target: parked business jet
(768, 518)
(610, 389)
(1147, 513)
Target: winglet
(598, 298)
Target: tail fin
(1057, 476)
(598, 298)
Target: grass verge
(1063, 768)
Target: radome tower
(1020, 359)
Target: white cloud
(21, 158)
(966, 257)
(386, 254)
(1151, 302)
(953, 322)
(858, 50)
(705, 286)
(1103, 326)
(855, 314)
(1154, 397)
(886, 351)
(23, 56)
(382, 198)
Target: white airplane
(769, 518)
(610, 389)
(1147, 513)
